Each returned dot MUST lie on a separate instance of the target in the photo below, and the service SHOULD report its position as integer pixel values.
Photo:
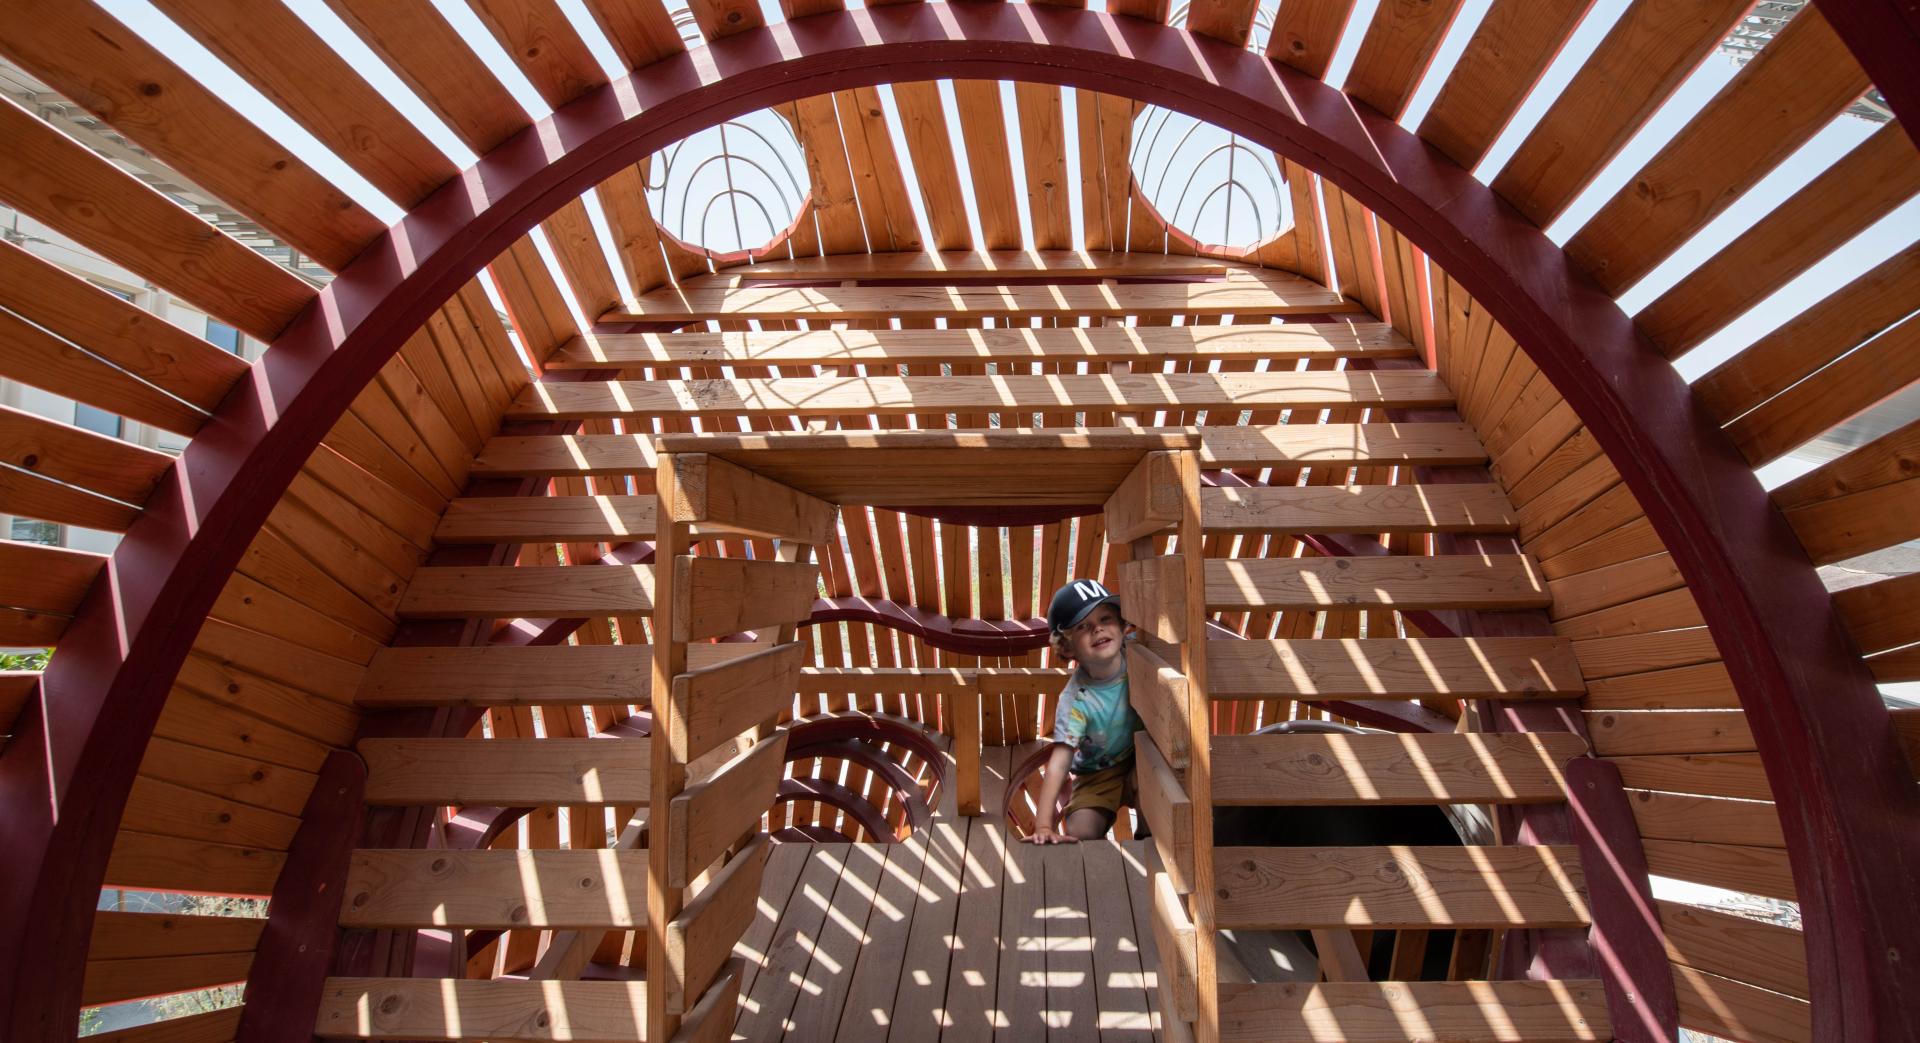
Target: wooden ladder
(1178, 676)
(685, 869)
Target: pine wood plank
(783, 957)
(506, 889)
(1269, 294)
(1393, 55)
(456, 1009)
(30, 496)
(1707, 820)
(1043, 148)
(1021, 996)
(1702, 687)
(507, 772)
(1684, 731)
(1644, 57)
(716, 493)
(1834, 394)
(1738, 775)
(641, 33)
(506, 675)
(218, 1026)
(973, 264)
(1763, 954)
(834, 201)
(120, 935)
(457, 592)
(1371, 1012)
(143, 861)
(453, 81)
(720, 596)
(1753, 870)
(546, 519)
(878, 180)
(983, 127)
(114, 981)
(701, 939)
(1119, 979)
(576, 248)
(1281, 770)
(1735, 1009)
(1072, 1001)
(543, 44)
(1885, 461)
(1359, 509)
(711, 815)
(1640, 653)
(924, 125)
(1394, 668)
(1398, 887)
(1503, 60)
(107, 466)
(1881, 615)
(715, 704)
(1305, 35)
(46, 579)
(1625, 542)
(35, 357)
(1803, 78)
(177, 811)
(1475, 581)
(1673, 610)
(1612, 585)
(110, 70)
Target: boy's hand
(1047, 835)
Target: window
(97, 420)
(28, 530)
(223, 336)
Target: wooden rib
(108, 69)
(1265, 293)
(1302, 770)
(137, 341)
(276, 51)
(1513, 45)
(1398, 887)
(66, 186)
(547, 519)
(457, 1009)
(426, 52)
(576, 247)
(641, 31)
(834, 201)
(1103, 343)
(924, 125)
(544, 45)
(1827, 330)
(31, 496)
(983, 127)
(1359, 509)
(1307, 32)
(1229, 21)
(496, 889)
(1369, 1012)
(503, 591)
(506, 772)
(1394, 668)
(834, 396)
(1862, 187)
(1833, 395)
(1475, 581)
(1643, 58)
(1044, 152)
(1396, 50)
(534, 301)
(1803, 78)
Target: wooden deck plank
(1072, 1008)
(842, 942)
(765, 1014)
(1020, 998)
(874, 970)
(1281, 770)
(1119, 981)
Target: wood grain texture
(1146, 502)
(1463, 581)
(717, 703)
(425, 51)
(1511, 47)
(1369, 1012)
(454, 1009)
(1398, 887)
(546, 519)
(716, 597)
(1735, 1009)
(505, 889)
(1169, 811)
(1306, 34)
(1282, 770)
(1158, 693)
(1707, 820)
(1394, 668)
(506, 772)
(1753, 870)
(1367, 509)
(701, 939)
(714, 493)
(1393, 55)
(562, 591)
(1754, 951)
(711, 815)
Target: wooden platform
(957, 934)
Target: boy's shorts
(1106, 790)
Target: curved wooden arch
(1852, 821)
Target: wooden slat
(983, 126)
(833, 199)
(542, 42)
(1334, 445)
(115, 981)
(507, 772)
(35, 357)
(641, 33)
(1464, 581)
(885, 207)
(129, 936)
(454, 1009)
(1737, 1010)
(564, 591)
(604, 351)
(108, 466)
(453, 81)
(1281, 770)
(1043, 147)
(1173, 940)
(1799, 81)
(1708, 820)
(708, 817)
(923, 121)
(547, 519)
(701, 939)
(1643, 58)
(1394, 1012)
(1359, 509)
(977, 264)
(1229, 21)
(1764, 954)
(1754, 870)
(1146, 501)
(506, 889)
(1860, 188)
(30, 496)
(1882, 615)
(1169, 811)
(1394, 668)
(1509, 50)
(1834, 394)
(1273, 294)
(1159, 695)
(715, 597)
(218, 1026)
(1307, 32)
(1886, 460)
(1738, 775)
(146, 862)
(525, 675)
(1398, 887)
(1642, 653)
(109, 69)
(714, 493)
(46, 579)
(715, 704)
(839, 396)
(1394, 54)
(1625, 732)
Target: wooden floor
(955, 934)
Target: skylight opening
(730, 188)
(1211, 185)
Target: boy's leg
(1089, 823)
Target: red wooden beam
(1848, 808)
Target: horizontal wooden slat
(30, 496)
(716, 494)
(1370, 509)
(147, 862)
(1764, 954)
(115, 981)
(1392, 668)
(701, 939)
(1640, 653)
(716, 597)
(127, 936)
(547, 519)
(1284, 770)
(565, 591)
(1883, 614)
(46, 579)
(1399, 1012)
(838, 396)
(716, 703)
(107, 466)
(934, 265)
(498, 889)
(1669, 731)
(1732, 1009)
(1398, 887)
(1712, 774)
(507, 772)
(1703, 687)
(35, 357)
(1754, 870)
(1705, 820)
(1846, 526)
(454, 1009)
(1405, 582)
(1274, 294)
(708, 817)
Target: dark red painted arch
(1850, 815)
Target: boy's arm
(1050, 783)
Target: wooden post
(1199, 780)
(963, 716)
(669, 777)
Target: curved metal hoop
(1848, 809)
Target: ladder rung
(502, 889)
(1369, 509)
(1278, 888)
(542, 591)
(506, 772)
(472, 1009)
(1410, 1011)
(1400, 581)
(1474, 768)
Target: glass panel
(223, 336)
(98, 420)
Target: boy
(1093, 730)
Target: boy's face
(1097, 640)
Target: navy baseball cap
(1075, 601)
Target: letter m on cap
(1090, 589)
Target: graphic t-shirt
(1097, 721)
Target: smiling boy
(1093, 729)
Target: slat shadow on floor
(956, 934)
